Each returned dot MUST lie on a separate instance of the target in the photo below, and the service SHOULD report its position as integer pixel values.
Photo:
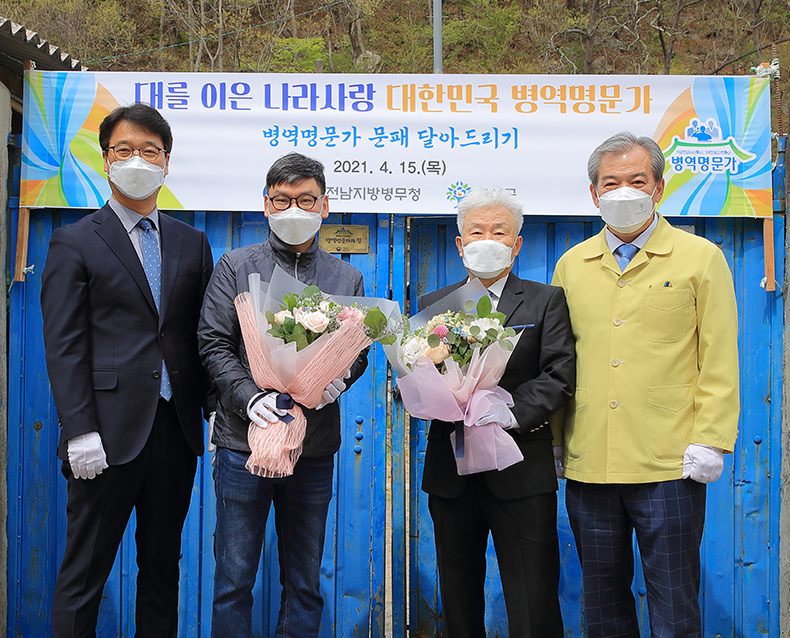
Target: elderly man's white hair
(489, 198)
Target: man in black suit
(517, 505)
(121, 296)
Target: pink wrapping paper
(304, 375)
(461, 394)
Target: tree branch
(748, 53)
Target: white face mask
(626, 209)
(295, 226)
(136, 178)
(487, 258)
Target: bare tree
(592, 29)
(669, 28)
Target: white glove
(334, 390)
(86, 455)
(211, 447)
(500, 414)
(702, 463)
(559, 468)
(262, 409)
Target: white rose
(315, 321)
(324, 306)
(280, 317)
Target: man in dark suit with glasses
(121, 295)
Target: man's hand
(262, 409)
(500, 414)
(334, 390)
(86, 455)
(559, 468)
(702, 463)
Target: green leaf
(290, 301)
(433, 340)
(270, 317)
(299, 329)
(491, 333)
(498, 315)
(474, 331)
(376, 321)
(509, 332)
(451, 338)
(469, 305)
(507, 345)
(388, 341)
(309, 291)
(301, 341)
(484, 306)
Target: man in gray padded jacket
(295, 205)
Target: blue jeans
(301, 503)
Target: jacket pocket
(576, 425)
(105, 379)
(668, 315)
(669, 417)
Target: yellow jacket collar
(661, 242)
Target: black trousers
(527, 548)
(158, 486)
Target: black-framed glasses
(149, 152)
(283, 202)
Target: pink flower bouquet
(449, 362)
(298, 339)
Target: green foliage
(297, 55)
(479, 36)
(82, 28)
(482, 38)
(377, 324)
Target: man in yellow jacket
(656, 405)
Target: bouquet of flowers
(449, 361)
(298, 339)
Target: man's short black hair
(140, 116)
(293, 168)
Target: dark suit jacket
(105, 341)
(541, 376)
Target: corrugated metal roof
(18, 44)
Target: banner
(405, 144)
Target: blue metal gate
(740, 581)
(353, 580)
(409, 256)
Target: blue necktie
(152, 265)
(624, 254)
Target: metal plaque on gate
(344, 238)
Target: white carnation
(410, 351)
